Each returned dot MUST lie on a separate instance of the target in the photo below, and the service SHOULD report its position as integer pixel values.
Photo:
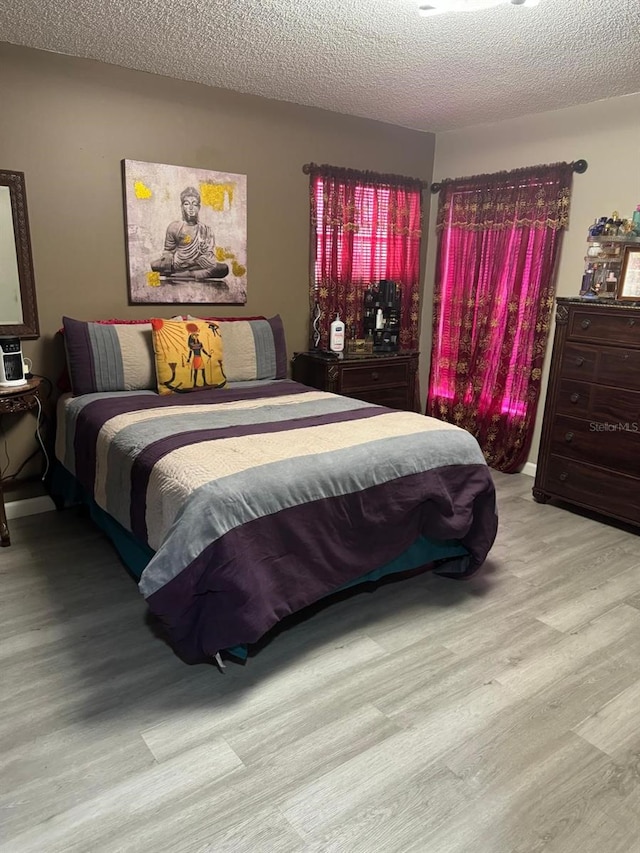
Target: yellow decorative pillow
(188, 356)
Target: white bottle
(379, 319)
(336, 335)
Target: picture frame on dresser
(629, 283)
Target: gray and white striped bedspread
(261, 498)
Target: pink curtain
(365, 227)
(498, 242)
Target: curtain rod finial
(435, 188)
(580, 166)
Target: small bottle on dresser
(336, 335)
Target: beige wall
(67, 123)
(605, 133)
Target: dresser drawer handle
(569, 437)
(585, 324)
(375, 375)
(574, 397)
(625, 356)
(564, 476)
(632, 321)
(579, 360)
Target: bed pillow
(109, 356)
(253, 349)
(188, 355)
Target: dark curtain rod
(579, 166)
(345, 173)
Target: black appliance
(381, 312)
(11, 364)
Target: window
(365, 228)
(369, 257)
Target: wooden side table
(23, 398)
(388, 379)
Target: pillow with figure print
(254, 348)
(188, 355)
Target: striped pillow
(253, 349)
(118, 356)
(109, 357)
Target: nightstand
(387, 379)
(23, 398)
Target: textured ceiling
(371, 58)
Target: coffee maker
(381, 311)
(11, 363)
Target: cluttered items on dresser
(382, 303)
(613, 244)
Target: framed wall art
(186, 234)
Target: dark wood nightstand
(387, 379)
(23, 398)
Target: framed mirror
(18, 309)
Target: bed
(237, 506)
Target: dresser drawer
(389, 397)
(573, 398)
(578, 362)
(609, 444)
(358, 377)
(614, 404)
(596, 488)
(619, 366)
(606, 326)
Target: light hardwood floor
(495, 716)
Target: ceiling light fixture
(438, 7)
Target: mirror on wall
(18, 309)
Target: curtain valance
(537, 197)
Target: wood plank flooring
(494, 716)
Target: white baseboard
(29, 506)
(530, 469)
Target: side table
(23, 398)
(386, 379)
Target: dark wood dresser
(388, 380)
(590, 445)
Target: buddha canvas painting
(186, 232)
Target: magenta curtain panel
(499, 238)
(365, 227)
